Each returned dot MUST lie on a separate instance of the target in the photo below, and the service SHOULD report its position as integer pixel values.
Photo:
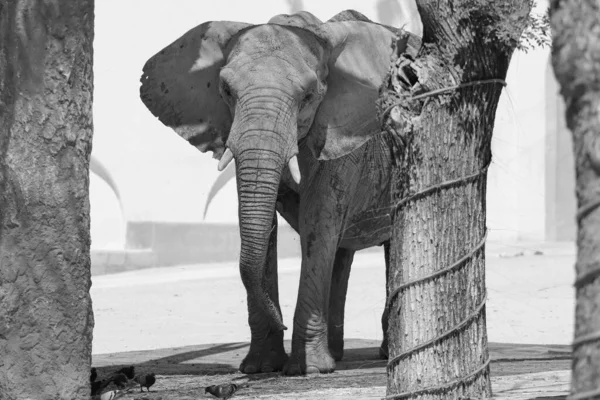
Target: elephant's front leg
(266, 352)
(337, 301)
(321, 216)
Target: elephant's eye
(226, 90)
(306, 100)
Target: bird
(120, 379)
(98, 386)
(128, 371)
(112, 395)
(93, 375)
(145, 380)
(223, 391)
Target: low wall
(118, 260)
(193, 243)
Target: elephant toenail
(312, 370)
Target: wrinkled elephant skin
(292, 102)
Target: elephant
(293, 103)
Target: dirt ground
(188, 325)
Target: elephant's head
(251, 93)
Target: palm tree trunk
(576, 62)
(437, 323)
(46, 87)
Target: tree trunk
(437, 326)
(46, 86)
(576, 61)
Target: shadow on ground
(187, 370)
(215, 359)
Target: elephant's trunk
(261, 153)
(258, 177)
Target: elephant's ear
(360, 60)
(180, 85)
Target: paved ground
(518, 372)
(157, 312)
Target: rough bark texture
(46, 85)
(576, 62)
(442, 138)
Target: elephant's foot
(265, 361)
(312, 360)
(268, 356)
(383, 349)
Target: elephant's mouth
(292, 164)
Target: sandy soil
(180, 306)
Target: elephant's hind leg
(266, 352)
(337, 301)
(383, 348)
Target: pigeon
(120, 379)
(145, 380)
(223, 391)
(112, 395)
(93, 375)
(128, 371)
(98, 386)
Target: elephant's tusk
(294, 169)
(225, 159)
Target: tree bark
(442, 138)
(576, 62)
(46, 87)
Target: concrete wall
(516, 186)
(561, 203)
(163, 181)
